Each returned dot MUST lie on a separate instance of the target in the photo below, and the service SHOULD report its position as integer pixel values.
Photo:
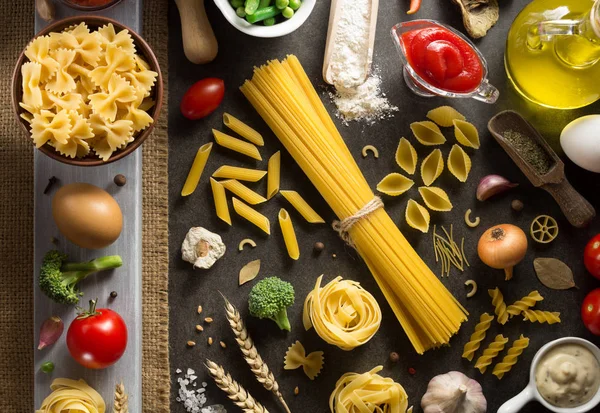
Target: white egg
(580, 140)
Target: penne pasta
(289, 235)
(220, 199)
(252, 215)
(242, 129)
(302, 207)
(241, 174)
(237, 145)
(243, 192)
(191, 182)
(273, 174)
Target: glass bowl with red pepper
(440, 61)
(90, 5)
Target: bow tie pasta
(86, 91)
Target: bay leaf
(249, 272)
(554, 273)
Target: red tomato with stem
(97, 338)
(202, 98)
(591, 256)
(590, 311)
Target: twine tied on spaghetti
(343, 227)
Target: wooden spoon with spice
(540, 164)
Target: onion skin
(502, 247)
(491, 185)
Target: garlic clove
(491, 185)
(50, 331)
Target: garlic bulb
(453, 392)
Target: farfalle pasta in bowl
(87, 90)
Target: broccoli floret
(270, 298)
(59, 278)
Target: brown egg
(87, 215)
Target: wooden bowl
(142, 48)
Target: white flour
(355, 98)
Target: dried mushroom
(478, 15)
(202, 247)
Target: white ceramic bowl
(531, 392)
(258, 30)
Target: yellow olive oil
(559, 71)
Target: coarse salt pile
(194, 399)
(355, 97)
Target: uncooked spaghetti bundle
(285, 98)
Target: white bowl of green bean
(266, 18)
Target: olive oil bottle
(553, 52)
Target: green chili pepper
(263, 14)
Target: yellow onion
(502, 247)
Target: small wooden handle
(576, 208)
(199, 42)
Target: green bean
(287, 12)
(269, 22)
(263, 14)
(236, 3)
(282, 4)
(251, 6)
(240, 12)
(295, 4)
(264, 3)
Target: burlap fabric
(16, 227)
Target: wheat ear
(234, 391)
(120, 404)
(257, 364)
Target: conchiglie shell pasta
(417, 216)
(466, 134)
(432, 167)
(428, 133)
(406, 156)
(394, 184)
(459, 163)
(435, 198)
(445, 116)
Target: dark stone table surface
(238, 54)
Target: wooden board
(126, 281)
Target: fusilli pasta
(524, 303)
(490, 353)
(511, 357)
(500, 306)
(537, 316)
(485, 321)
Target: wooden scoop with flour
(199, 42)
(335, 14)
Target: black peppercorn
(319, 246)
(517, 205)
(51, 181)
(120, 180)
(394, 357)
(113, 294)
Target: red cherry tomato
(202, 98)
(97, 338)
(590, 311)
(591, 256)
